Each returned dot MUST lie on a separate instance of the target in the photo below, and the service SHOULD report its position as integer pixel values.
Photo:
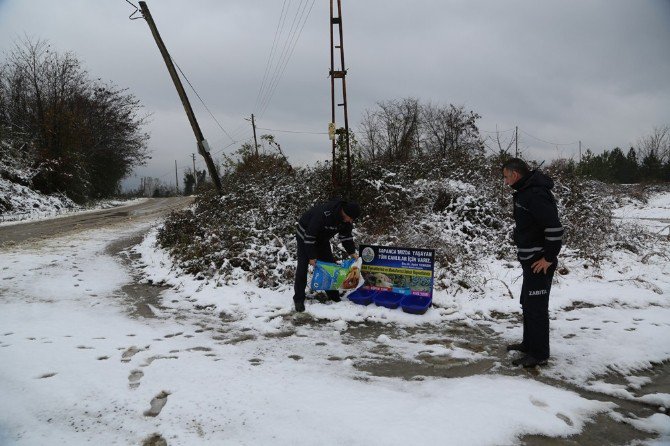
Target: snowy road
(150, 209)
(89, 353)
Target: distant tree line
(400, 130)
(81, 136)
(648, 162)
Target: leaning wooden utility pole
(339, 74)
(253, 124)
(176, 177)
(195, 172)
(203, 146)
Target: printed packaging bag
(334, 276)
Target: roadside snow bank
(18, 202)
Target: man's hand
(540, 265)
(312, 262)
(354, 255)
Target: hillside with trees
(63, 131)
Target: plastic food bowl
(416, 304)
(362, 296)
(387, 299)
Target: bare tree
(499, 145)
(451, 130)
(392, 129)
(401, 129)
(372, 138)
(656, 144)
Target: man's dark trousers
(323, 253)
(535, 305)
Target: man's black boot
(529, 361)
(299, 305)
(517, 348)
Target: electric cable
(203, 102)
(282, 54)
(293, 131)
(549, 142)
(290, 50)
(498, 131)
(268, 64)
(289, 54)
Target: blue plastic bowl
(362, 296)
(387, 299)
(416, 304)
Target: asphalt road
(43, 229)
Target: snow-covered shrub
(18, 197)
(461, 211)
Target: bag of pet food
(333, 276)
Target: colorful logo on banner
(401, 270)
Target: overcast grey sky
(562, 70)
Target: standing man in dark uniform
(314, 230)
(538, 235)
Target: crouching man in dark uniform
(538, 235)
(314, 230)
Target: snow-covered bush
(18, 198)
(462, 212)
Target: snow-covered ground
(655, 214)
(231, 363)
(29, 205)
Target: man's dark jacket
(320, 223)
(538, 232)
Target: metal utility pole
(253, 124)
(339, 74)
(203, 146)
(176, 177)
(516, 141)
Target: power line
(284, 52)
(203, 102)
(293, 131)
(288, 58)
(549, 142)
(289, 53)
(497, 131)
(268, 64)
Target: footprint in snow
(564, 418)
(154, 440)
(148, 361)
(129, 353)
(173, 334)
(157, 404)
(134, 378)
(538, 403)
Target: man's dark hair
(517, 165)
